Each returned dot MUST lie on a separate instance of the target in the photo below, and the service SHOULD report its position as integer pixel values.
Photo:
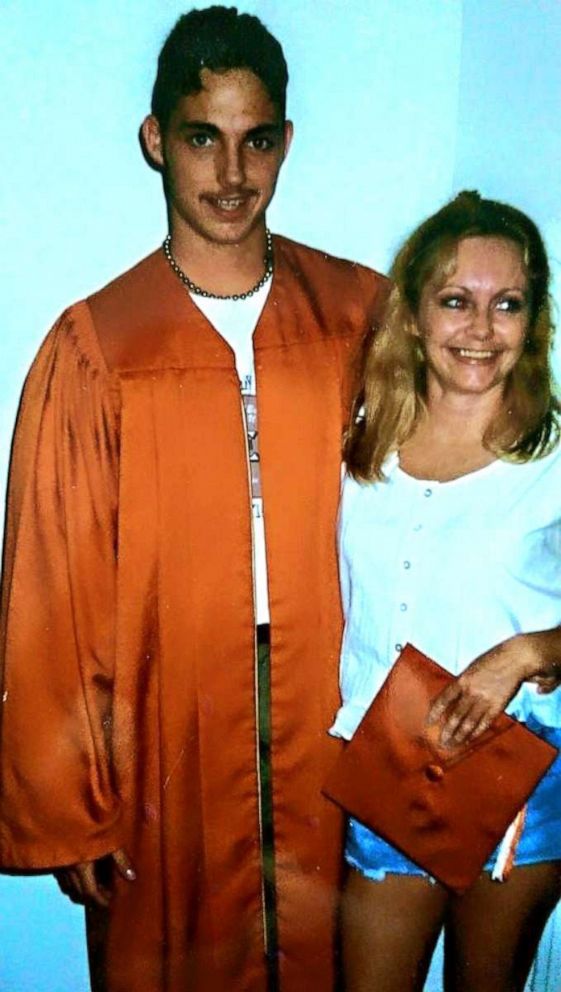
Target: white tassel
(507, 848)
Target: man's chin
(232, 232)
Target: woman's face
(473, 322)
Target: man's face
(221, 155)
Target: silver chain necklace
(198, 291)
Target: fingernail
(130, 874)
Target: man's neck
(223, 269)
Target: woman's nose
(482, 323)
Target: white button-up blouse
(454, 568)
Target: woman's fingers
(468, 705)
(460, 722)
(444, 701)
(477, 719)
(483, 724)
(457, 712)
(463, 713)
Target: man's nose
(231, 171)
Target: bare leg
(493, 931)
(389, 931)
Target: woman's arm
(468, 705)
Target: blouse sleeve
(57, 802)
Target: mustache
(231, 194)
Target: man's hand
(90, 881)
(468, 706)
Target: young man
(173, 496)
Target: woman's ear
(412, 326)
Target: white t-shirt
(453, 568)
(236, 320)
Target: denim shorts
(373, 857)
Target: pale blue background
(397, 105)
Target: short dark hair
(218, 39)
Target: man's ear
(288, 136)
(152, 141)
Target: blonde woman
(450, 538)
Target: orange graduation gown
(129, 693)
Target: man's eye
(509, 304)
(200, 140)
(261, 144)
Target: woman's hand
(468, 706)
(82, 882)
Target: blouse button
(434, 773)
(407, 564)
(399, 647)
(403, 607)
(428, 492)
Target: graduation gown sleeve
(57, 801)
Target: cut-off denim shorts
(373, 857)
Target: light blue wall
(397, 104)
(509, 115)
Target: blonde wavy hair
(392, 392)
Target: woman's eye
(452, 302)
(510, 304)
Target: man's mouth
(230, 203)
